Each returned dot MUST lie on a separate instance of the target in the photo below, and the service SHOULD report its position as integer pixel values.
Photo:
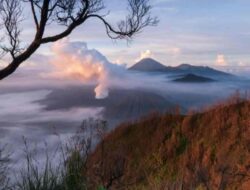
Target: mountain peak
(184, 66)
(147, 59)
(148, 64)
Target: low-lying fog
(40, 108)
(40, 113)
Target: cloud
(241, 64)
(221, 60)
(145, 54)
(175, 51)
(75, 61)
(3, 64)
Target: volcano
(149, 65)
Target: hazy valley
(124, 95)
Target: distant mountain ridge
(151, 65)
(191, 78)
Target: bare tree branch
(69, 13)
(138, 18)
(11, 13)
(32, 4)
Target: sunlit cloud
(221, 61)
(76, 62)
(175, 51)
(145, 54)
(3, 64)
(242, 64)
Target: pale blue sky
(193, 31)
(204, 32)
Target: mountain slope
(132, 104)
(209, 150)
(150, 65)
(191, 78)
(201, 70)
(122, 104)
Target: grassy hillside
(209, 150)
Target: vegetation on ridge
(209, 150)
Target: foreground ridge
(209, 150)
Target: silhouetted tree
(71, 14)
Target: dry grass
(209, 150)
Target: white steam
(73, 60)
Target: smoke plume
(73, 60)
